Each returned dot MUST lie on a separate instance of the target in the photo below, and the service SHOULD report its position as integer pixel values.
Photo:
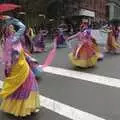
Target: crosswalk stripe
(64, 110)
(103, 80)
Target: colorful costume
(20, 89)
(60, 39)
(112, 43)
(84, 54)
(39, 41)
(97, 48)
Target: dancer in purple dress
(39, 41)
(20, 93)
(60, 39)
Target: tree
(55, 8)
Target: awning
(84, 12)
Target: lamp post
(63, 7)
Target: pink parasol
(4, 7)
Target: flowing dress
(97, 48)
(19, 93)
(39, 41)
(60, 40)
(112, 43)
(84, 55)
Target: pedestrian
(20, 90)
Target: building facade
(90, 9)
(95, 8)
(113, 9)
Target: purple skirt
(28, 86)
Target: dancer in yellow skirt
(84, 54)
(113, 45)
(20, 89)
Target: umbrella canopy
(8, 7)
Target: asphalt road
(97, 99)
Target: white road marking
(64, 110)
(108, 81)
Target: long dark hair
(28, 41)
(4, 34)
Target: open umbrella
(8, 7)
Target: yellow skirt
(18, 106)
(113, 46)
(98, 53)
(83, 63)
(21, 107)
